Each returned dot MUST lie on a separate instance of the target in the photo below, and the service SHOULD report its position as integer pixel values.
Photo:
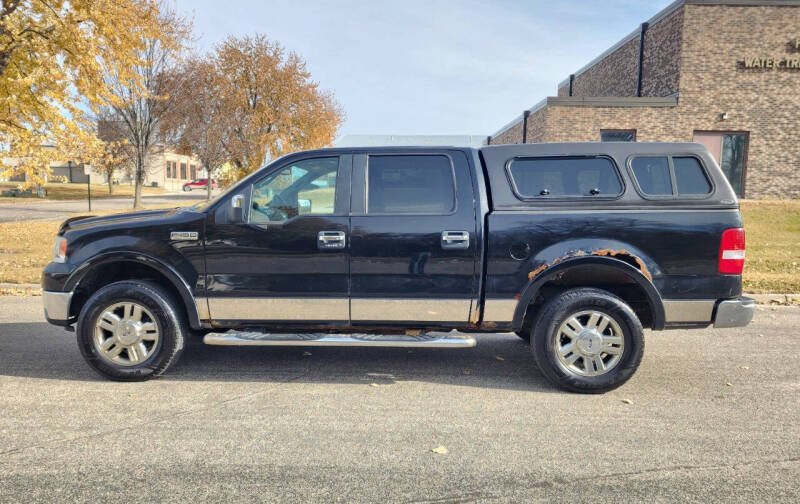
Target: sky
(430, 67)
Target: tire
(187, 188)
(145, 354)
(524, 335)
(586, 374)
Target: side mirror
(237, 212)
(303, 206)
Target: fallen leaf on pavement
(627, 401)
(441, 450)
(729, 384)
(499, 358)
(374, 385)
(467, 371)
(306, 354)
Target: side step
(430, 340)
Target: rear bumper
(734, 312)
(56, 306)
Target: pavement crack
(549, 483)
(162, 418)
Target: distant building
(401, 140)
(724, 73)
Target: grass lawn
(773, 247)
(58, 191)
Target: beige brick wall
(615, 75)
(511, 135)
(711, 81)
(764, 102)
(662, 51)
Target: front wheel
(131, 331)
(587, 340)
(187, 188)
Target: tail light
(731, 252)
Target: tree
(54, 55)
(199, 122)
(270, 105)
(115, 153)
(142, 107)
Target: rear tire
(131, 330)
(587, 340)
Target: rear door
(414, 256)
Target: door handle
(331, 240)
(455, 240)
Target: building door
(730, 151)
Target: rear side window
(410, 185)
(652, 173)
(565, 177)
(689, 176)
(670, 177)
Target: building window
(410, 185)
(617, 135)
(565, 177)
(183, 171)
(730, 151)
(193, 171)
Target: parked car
(575, 247)
(199, 184)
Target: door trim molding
(410, 310)
(278, 308)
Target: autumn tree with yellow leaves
(55, 57)
(269, 103)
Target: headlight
(60, 250)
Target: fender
(168, 271)
(534, 285)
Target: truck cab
(575, 247)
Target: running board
(430, 340)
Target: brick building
(722, 73)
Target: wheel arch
(552, 274)
(86, 275)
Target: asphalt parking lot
(711, 416)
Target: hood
(122, 219)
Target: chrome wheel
(589, 343)
(126, 334)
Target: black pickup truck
(576, 247)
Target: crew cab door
(285, 258)
(414, 256)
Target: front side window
(565, 177)
(652, 174)
(303, 188)
(410, 184)
(617, 135)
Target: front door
(288, 261)
(413, 251)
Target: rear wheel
(587, 340)
(131, 331)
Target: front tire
(587, 340)
(131, 331)
(187, 188)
